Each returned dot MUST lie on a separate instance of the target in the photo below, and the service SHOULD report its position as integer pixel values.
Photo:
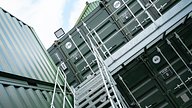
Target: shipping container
(160, 77)
(90, 6)
(110, 26)
(27, 72)
(146, 47)
(21, 51)
(22, 92)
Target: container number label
(116, 4)
(68, 45)
(166, 73)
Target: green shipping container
(27, 72)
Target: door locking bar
(183, 83)
(178, 37)
(169, 43)
(138, 104)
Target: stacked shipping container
(27, 73)
(146, 45)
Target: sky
(46, 16)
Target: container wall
(21, 51)
(110, 26)
(152, 65)
(136, 15)
(17, 93)
(161, 75)
(27, 72)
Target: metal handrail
(63, 90)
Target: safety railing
(64, 88)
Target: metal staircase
(100, 89)
(107, 78)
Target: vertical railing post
(178, 76)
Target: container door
(171, 64)
(140, 88)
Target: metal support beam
(166, 21)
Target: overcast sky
(46, 16)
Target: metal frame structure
(135, 18)
(166, 22)
(66, 86)
(107, 78)
(109, 63)
(155, 26)
(110, 53)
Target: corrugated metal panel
(21, 97)
(22, 92)
(88, 9)
(27, 72)
(21, 52)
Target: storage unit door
(161, 77)
(140, 88)
(171, 63)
